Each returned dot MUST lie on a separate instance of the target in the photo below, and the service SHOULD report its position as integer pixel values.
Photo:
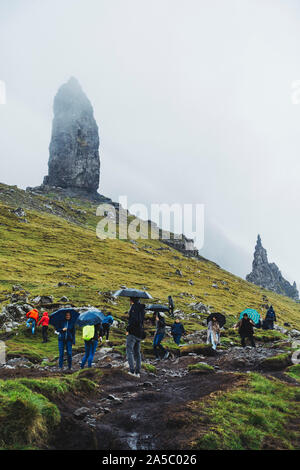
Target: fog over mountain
(194, 103)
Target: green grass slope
(50, 248)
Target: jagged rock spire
(74, 161)
(268, 275)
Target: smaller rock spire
(268, 275)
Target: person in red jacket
(44, 321)
(33, 316)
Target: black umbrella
(221, 319)
(139, 294)
(157, 308)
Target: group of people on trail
(32, 322)
(94, 333)
(245, 328)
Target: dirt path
(131, 413)
(128, 413)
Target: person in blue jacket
(177, 330)
(106, 324)
(66, 339)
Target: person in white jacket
(213, 333)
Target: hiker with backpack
(245, 326)
(177, 330)
(44, 321)
(134, 335)
(33, 316)
(106, 324)
(268, 323)
(159, 336)
(91, 335)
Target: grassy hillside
(59, 243)
(55, 242)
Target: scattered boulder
(200, 307)
(20, 214)
(43, 300)
(294, 333)
(81, 413)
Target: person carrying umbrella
(177, 330)
(158, 337)
(135, 333)
(213, 332)
(64, 322)
(135, 328)
(245, 326)
(106, 324)
(91, 335)
(92, 332)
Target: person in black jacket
(245, 326)
(158, 337)
(177, 330)
(135, 333)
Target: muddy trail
(147, 413)
(136, 414)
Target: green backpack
(88, 332)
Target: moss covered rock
(280, 362)
(201, 349)
(201, 368)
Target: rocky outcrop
(268, 275)
(74, 163)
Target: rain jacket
(177, 329)
(68, 335)
(271, 314)
(33, 314)
(245, 327)
(109, 319)
(136, 320)
(44, 321)
(160, 326)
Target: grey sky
(193, 103)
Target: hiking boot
(138, 375)
(131, 373)
(166, 355)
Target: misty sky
(193, 103)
